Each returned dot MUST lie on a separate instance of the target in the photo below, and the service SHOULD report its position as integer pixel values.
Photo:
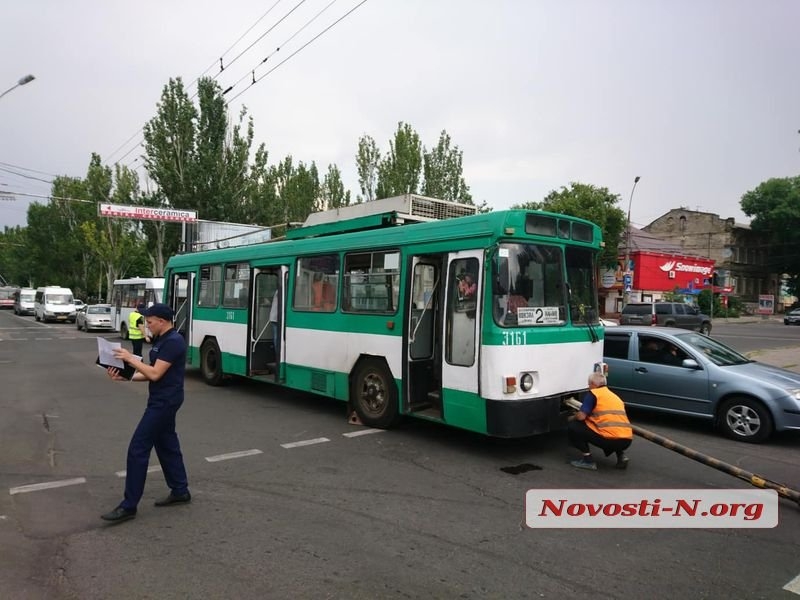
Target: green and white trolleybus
(485, 322)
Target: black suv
(665, 314)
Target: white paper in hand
(105, 351)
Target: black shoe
(172, 499)
(118, 515)
(622, 460)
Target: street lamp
(628, 279)
(22, 81)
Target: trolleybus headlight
(526, 382)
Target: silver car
(94, 316)
(688, 373)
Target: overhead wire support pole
(628, 275)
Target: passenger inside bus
(324, 295)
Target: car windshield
(99, 310)
(27, 297)
(59, 299)
(717, 353)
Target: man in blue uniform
(157, 426)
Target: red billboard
(665, 272)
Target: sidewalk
(787, 358)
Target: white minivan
(54, 303)
(23, 301)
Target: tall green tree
(332, 192)
(400, 170)
(444, 173)
(169, 146)
(592, 203)
(367, 160)
(774, 206)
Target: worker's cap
(162, 311)
(140, 308)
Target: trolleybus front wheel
(374, 394)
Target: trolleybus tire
(745, 419)
(211, 363)
(374, 394)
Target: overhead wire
(277, 49)
(312, 40)
(222, 68)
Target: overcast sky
(700, 98)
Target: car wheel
(705, 328)
(374, 394)
(78, 325)
(211, 363)
(745, 419)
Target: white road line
(305, 443)
(42, 339)
(793, 586)
(149, 470)
(353, 434)
(35, 487)
(231, 455)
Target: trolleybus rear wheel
(374, 394)
(211, 363)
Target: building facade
(740, 254)
(656, 267)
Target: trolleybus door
(181, 300)
(266, 339)
(461, 326)
(422, 371)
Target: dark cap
(140, 308)
(162, 311)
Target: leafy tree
(367, 161)
(16, 262)
(774, 206)
(169, 145)
(399, 172)
(593, 204)
(444, 174)
(332, 192)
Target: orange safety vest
(608, 417)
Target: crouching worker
(602, 422)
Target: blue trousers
(155, 430)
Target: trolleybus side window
(237, 286)
(316, 283)
(371, 282)
(210, 284)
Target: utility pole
(627, 278)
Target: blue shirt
(171, 348)
(589, 402)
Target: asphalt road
(421, 511)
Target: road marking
(231, 455)
(149, 470)
(35, 487)
(305, 443)
(43, 339)
(353, 434)
(793, 586)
